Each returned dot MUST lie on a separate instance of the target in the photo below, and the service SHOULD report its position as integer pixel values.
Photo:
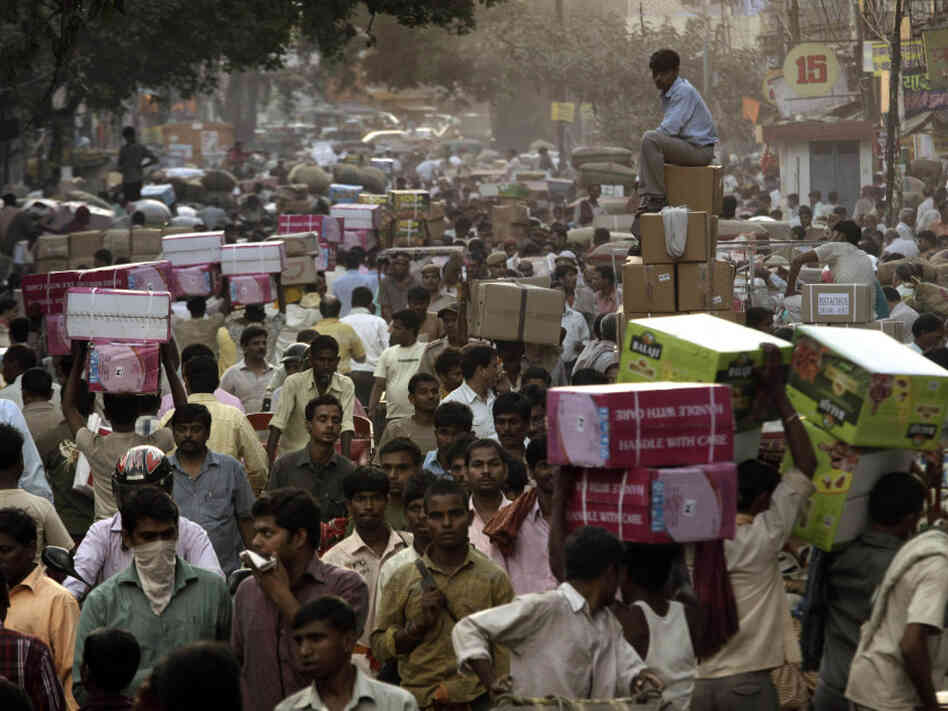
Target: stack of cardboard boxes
(417, 220)
(70, 251)
(867, 402)
(658, 283)
(657, 459)
(846, 305)
(509, 220)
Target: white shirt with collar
(558, 646)
(373, 331)
(483, 409)
(367, 695)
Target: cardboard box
(614, 223)
(645, 424)
(118, 315)
(648, 287)
(372, 199)
(52, 247)
(124, 367)
(85, 244)
(838, 303)
(51, 264)
(866, 389)
(251, 289)
(145, 241)
(198, 280)
(410, 199)
(366, 239)
(890, 326)
(298, 244)
(700, 245)
(705, 286)
(356, 216)
(299, 270)
(253, 258)
(698, 348)
(118, 241)
(701, 189)
(679, 505)
(837, 511)
(511, 311)
(193, 248)
(436, 229)
(340, 192)
(328, 228)
(141, 276)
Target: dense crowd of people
(347, 502)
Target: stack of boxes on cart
(658, 283)
(400, 218)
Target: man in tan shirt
(199, 328)
(45, 419)
(350, 345)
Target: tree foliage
(591, 57)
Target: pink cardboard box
(47, 292)
(57, 342)
(657, 505)
(251, 289)
(328, 228)
(640, 424)
(357, 216)
(139, 276)
(199, 280)
(124, 367)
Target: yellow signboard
(811, 69)
(563, 111)
(913, 57)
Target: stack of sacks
(125, 328)
(657, 459)
(660, 283)
(249, 268)
(867, 401)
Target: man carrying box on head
(686, 135)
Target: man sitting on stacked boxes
(686, 135)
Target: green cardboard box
(698, 348)
(838, 510)
(866, 389)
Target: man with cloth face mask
(162, 600)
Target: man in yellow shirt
(350, 345)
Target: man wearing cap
(497, 264)
(450, 325)
(373, 332)
(294, 360)
(394, 286)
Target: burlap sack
(313, 177)
(601, 154)
(219, 180)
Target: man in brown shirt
(393, 288)
(287, 528)
(45, 420)
(198, 329)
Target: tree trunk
(893, 191)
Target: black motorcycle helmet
(141, 465)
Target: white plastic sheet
(675, 220)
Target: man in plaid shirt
(28, 663)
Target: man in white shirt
(898, 243)
(325, 631)
(566, 641)
(373, 331)
(17, 360)
(577, 333)
(395, 367)
(901, 311)
(821, 210)
(737, 676)
(514, 165)
(849, 264)
(902, 657)
(906, 221)
(479, 364)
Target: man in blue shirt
(344, 285)
(686, 135)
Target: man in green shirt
(162, 600)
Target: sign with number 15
(811, 70)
